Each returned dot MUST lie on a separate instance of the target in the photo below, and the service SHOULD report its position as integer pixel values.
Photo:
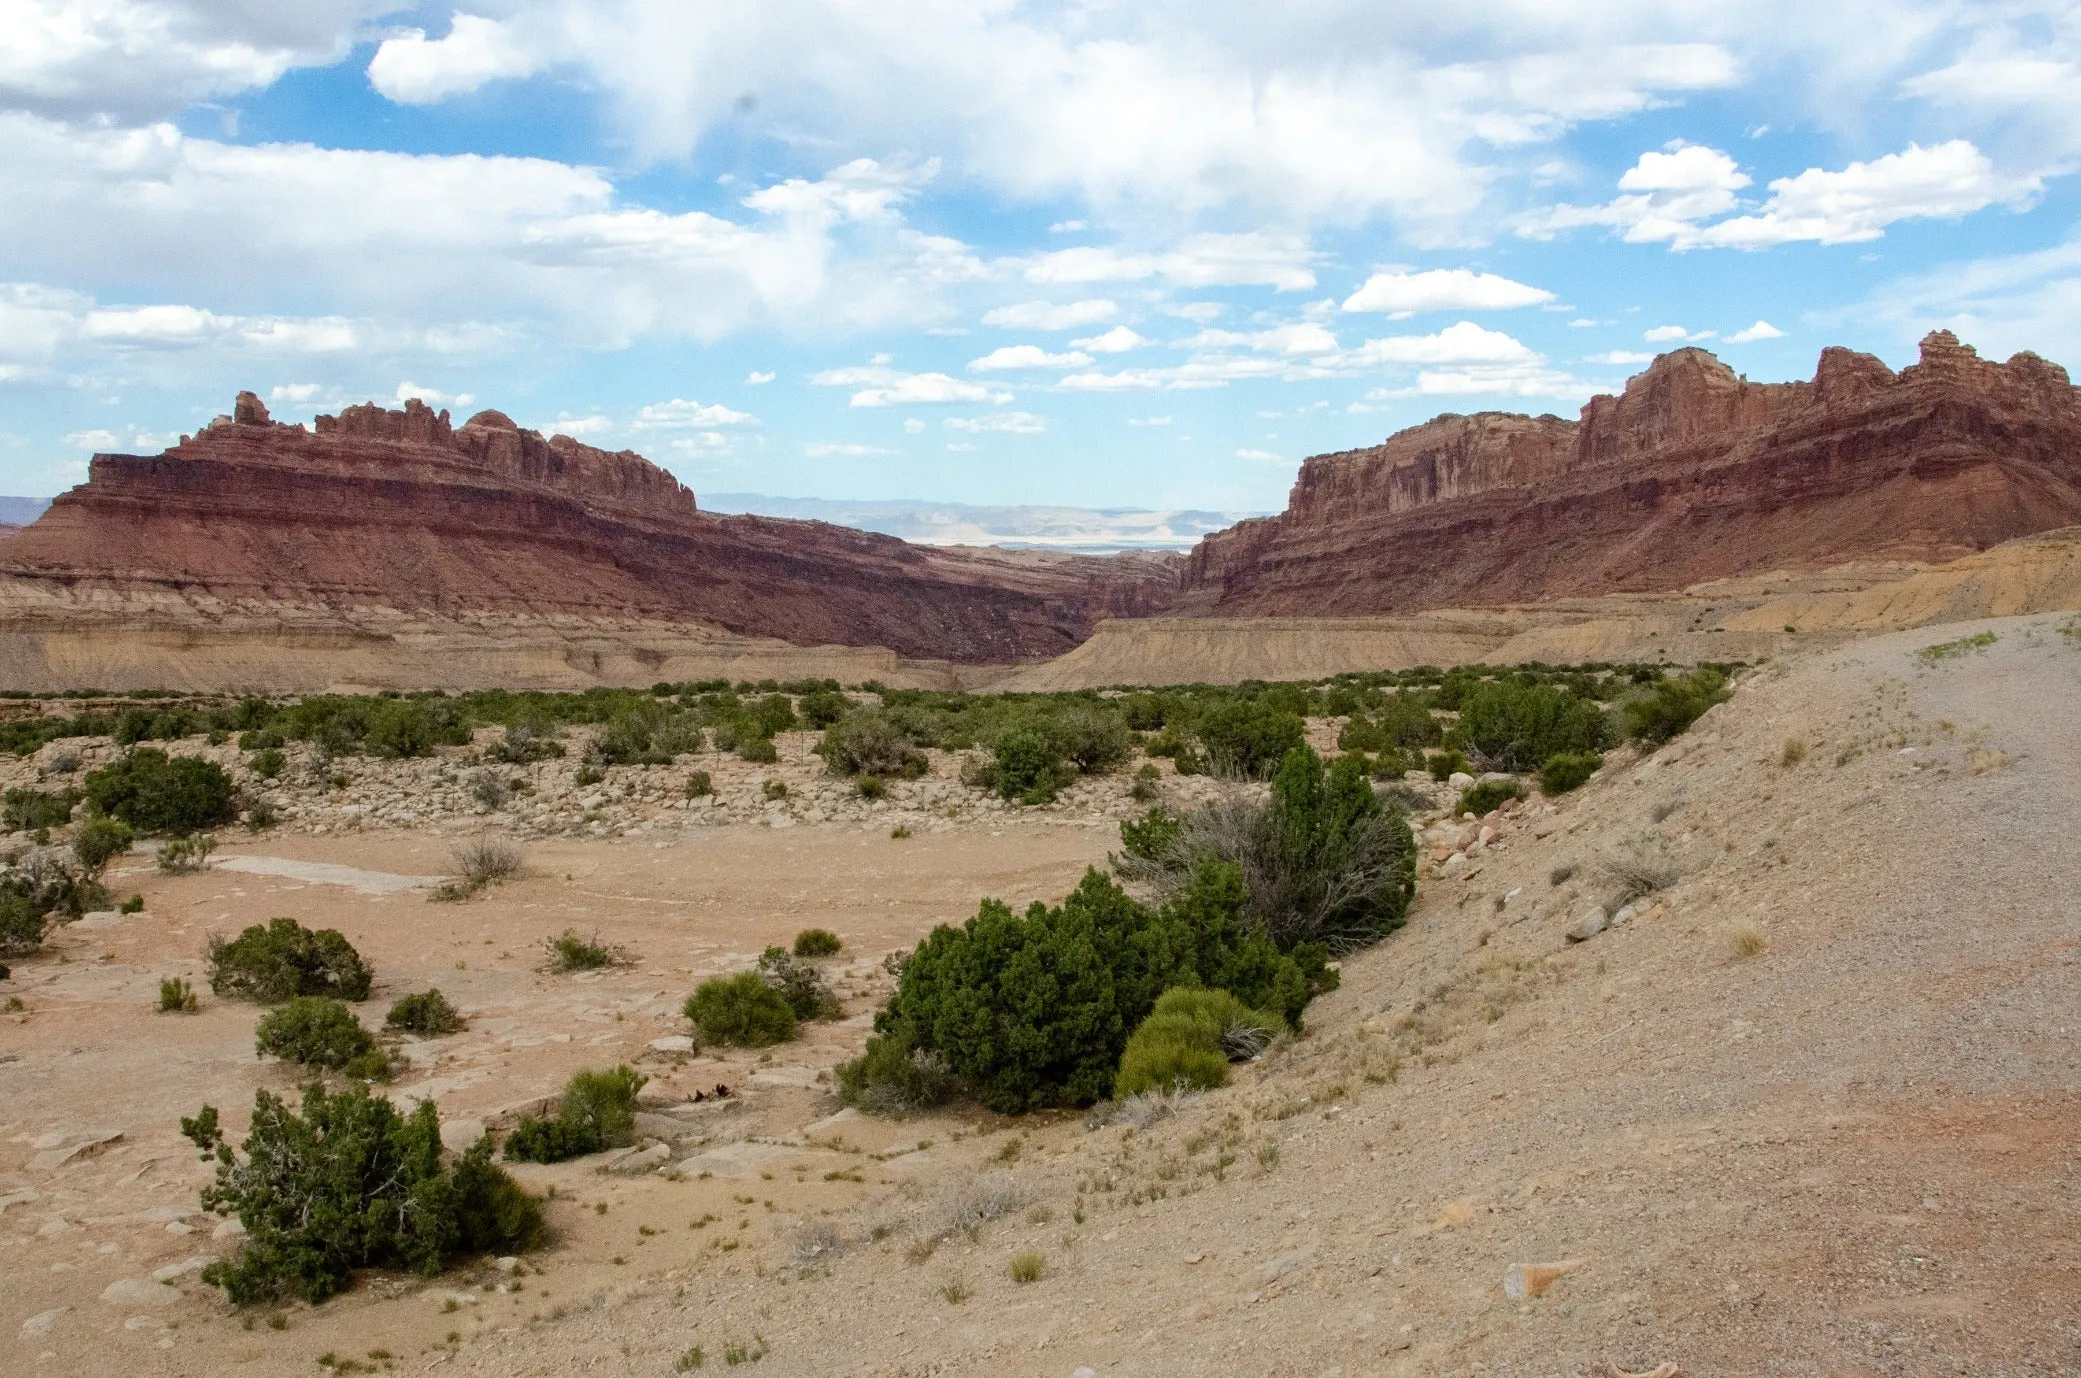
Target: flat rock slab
(736, 1160)
(139, 1292)
(326, 873)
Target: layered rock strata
(403, 510)
(1691, 474)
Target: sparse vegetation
(1189, 1039)
(1745, 938)
(320, 1032)
(427, 1014)
(1668, 707)
(568, 952)
(598, 1112)
(350, 1183)
(817, 942)
(1637, 873)
(26, 810)
(1514, 724)
(894, 1076)
(1250, 738)
(1568, 770)
(742, 1011)
(99, 841)
(1954, 650)
(268, 764)
(1028, 1265)
(868, 742)
(176, 996)
(698, 783)
(1793, 751)
(182, 856)
(1487, 796)
(284, 960)
(799, 983)
(479, 863)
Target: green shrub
(1250, 737)
(1669, 706)
(1515, 725)
(894, 1076)
(817, 942)
(870, 787)
(352, 1184)
(318, 1031)
(134, 905)
(1568, 770)
(568, 952)
(1028, 1265)
(26, 810)
(758, 750)
(284, 960)
(1028, 767)
(773, 713)
(21, 925)
(263, 739)
(1443, 765)
(155, 793)
(268, 764)
(741, 1011)
(868, 742)
(176, 996)
(598, 1112)
(799, 983)
(774, 789)
(698, 783)
(427, 1014)
(1033, 1011)
(260, 816)
(1487, 796)
(1151, 837)
(1189, 1039)
(823, 707)
(524, 743)
(182, 856)
(100, 840)
(1090, 737)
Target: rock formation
(1691, 474)
(403, 510)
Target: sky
(1104, 254)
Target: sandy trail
(1851, 1154)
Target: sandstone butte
(1692, 474)
(392, 548)
(401, 509)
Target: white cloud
(1761, 330)
(412, 69)
(1254, 259)
(913, 426)
(881, 386)
(100, 440)
(295, 392)
(1671, 196)
(1118, 340)
(433, 397)
(682, 415)
(1675, 334)
(1148, 421)
(1004, 423)
(757, 380)
(1261, 456)
(960, 447)
(821, 449)
(1025, 356)
(1302, 337)
(1582, 323)
(1443, 289)
(1048, 315)
(1465, 342)
(579, 427)
(1198, 312)
(1619, 356)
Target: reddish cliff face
(1691, 474)
(403, 509)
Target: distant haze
(21, 511)
(1084, 530)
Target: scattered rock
(1591, 925)
(40, 1324)
(638, 1160)
(229, 1229)
(458, 1136)
(672, 1043)
(71, 1147)
(139, 1292)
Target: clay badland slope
(400, 510)
(1691, 474)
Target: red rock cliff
(1692, 473)
(403, 509)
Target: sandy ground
(1850, 1153)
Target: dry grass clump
(568, 952)
(1028, 1265)
(1143, 1108)
(1475, 998)
(965, 1206)
(956, 1291)
(814, 1239)
(1746, 938)
(1793, 752)
(187, 855)
(1637, 872)
(480, 862)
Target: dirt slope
(1852, 1153)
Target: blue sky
(1105, 254)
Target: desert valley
(1604, 889)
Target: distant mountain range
(1078, 530)
(21, 511)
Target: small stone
(1524, 1280)
(40, 1324)
(509, 1264)
(1454, 864)
(229, 1229)
(1592, 924)
(641, 1159)
(459, 1136)
(672, 1043)
(178, 1227)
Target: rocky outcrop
(1691, 474)
(404, 510)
